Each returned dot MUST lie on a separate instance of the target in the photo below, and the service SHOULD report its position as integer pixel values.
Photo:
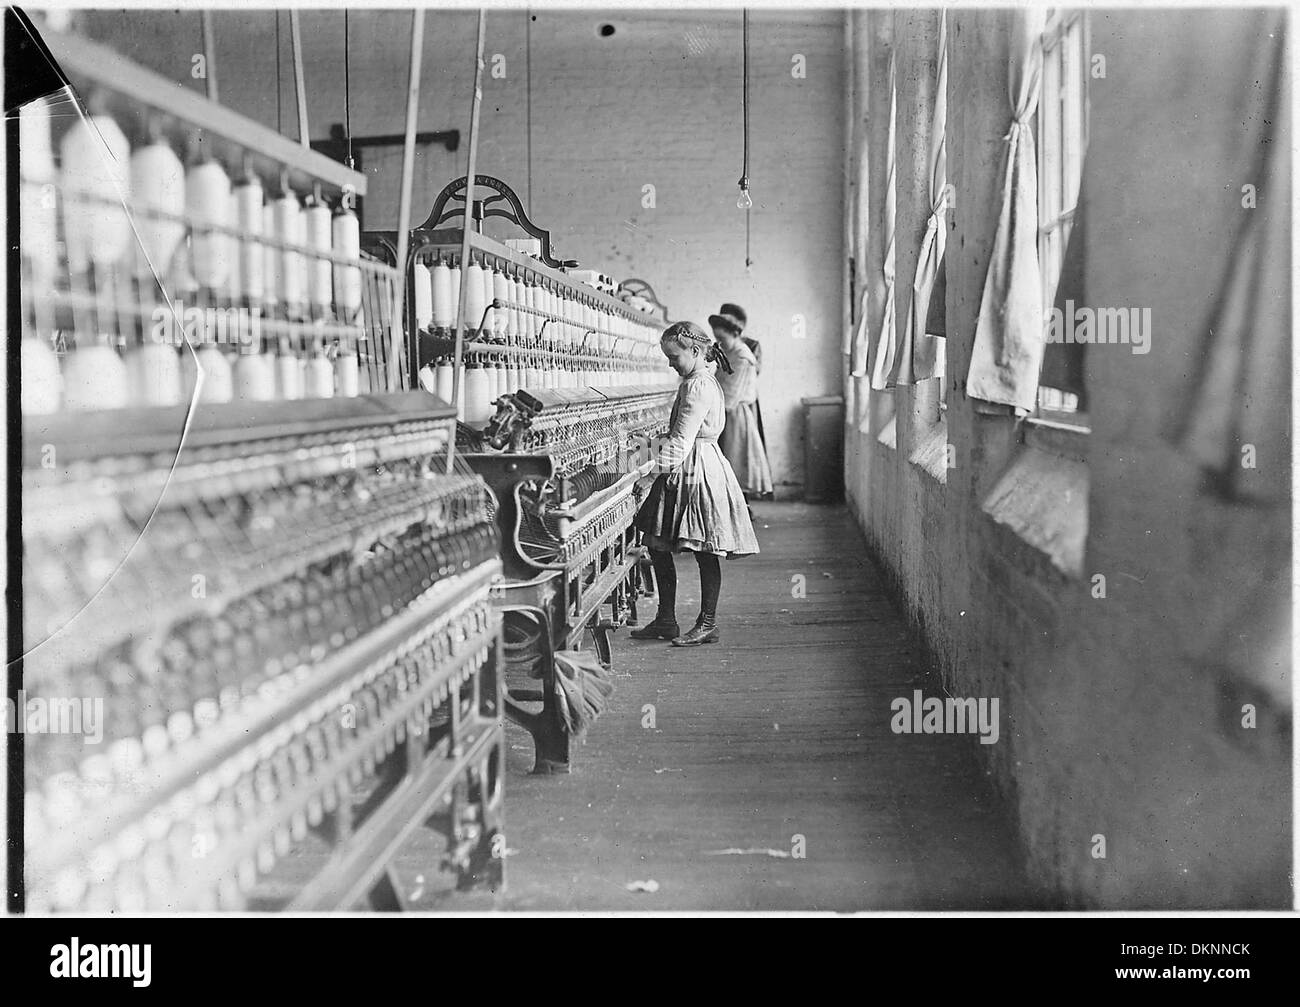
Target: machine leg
(602, 636)
(550, 740)
(386, 896)
(551, 744)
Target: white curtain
(1009, 336)
(918, 355)
(882, 363)
(860, 337)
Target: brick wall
(1118, 719)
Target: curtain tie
(1016, 126)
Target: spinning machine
(563, 394)
(256, 605)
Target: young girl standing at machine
(695, 504)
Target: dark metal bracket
(454, 193)
(337, 144)
(640, 288)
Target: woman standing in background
(741, 438)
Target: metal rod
(745, 82)
(279, 79)
(210, 54)
(404, 204)
(528, 93)
(469, 210)
(295, 33)
(347, 89)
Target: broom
(582, 689)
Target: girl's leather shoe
(705, 630)
(660, 629)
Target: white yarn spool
(455, 293)
(513, 375)
(569, 328)
(501, 291)
(207, 198)
(254, 377)
(443, 315)
(320, 377)
(250, 222)
(519, 291)
(347, 279)
(95, 157)
(478, 408)
(154, 372)
(489, 292)
(493, 381)
(272, 258)
(527, 321)
(288, 377)
(234, 279)
(158, 182)
(515, 318)
(442, 378)
(291, 271)
(346, 375)
(474, 302)
(38, 208)
(94, 377)
(319, 227)
(423, 284)
(42, 385)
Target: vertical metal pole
(210, 54)
(404, 205)
(469, 212)
(295, 33)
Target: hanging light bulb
(743, 201)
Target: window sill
(888, 435)
(931, 454)
(1042, 498)
(1063, 434)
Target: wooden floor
(780, 731)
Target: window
(1062, 139)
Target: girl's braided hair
(688, 334)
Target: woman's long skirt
(742, 443)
